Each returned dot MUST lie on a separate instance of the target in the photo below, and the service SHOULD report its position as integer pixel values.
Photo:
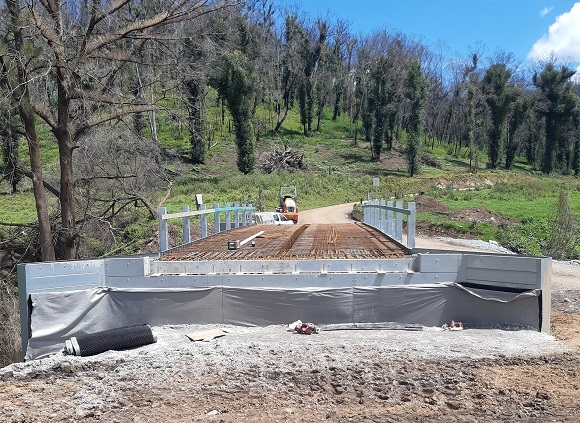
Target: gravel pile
(491, 246)
(276, 345)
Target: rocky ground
(271, 374)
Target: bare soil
(424, 203)
(270, 374)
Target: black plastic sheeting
(56, 316)
(113, 339)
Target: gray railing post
(186, 225)
(228, 218)
(236, 215)
(23, 302)
(244, 214)
(399, 224)
(163, 235)
(411, 226)
(366, 211)
(390, 221)
(203, 223)
(216, 218)
(383, 217)
(250, 214)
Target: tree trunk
(550, 145)
(45, 231)
(153, 119)
(22, 96)
(68, 235)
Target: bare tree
(73, 61)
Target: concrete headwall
(427, 288)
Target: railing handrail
(168, 216)
(245, 210)
(379, 215)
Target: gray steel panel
(438, 262)
(502, 277)
(65, 283)
(166, 281)
(60, 268)
(545, 280)
(127, 266)
(23, 304)
(280, 266)
(298, 280)
(519, 263)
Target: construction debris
(373, 326)
(453, 326)
(304, 328)
(206, 335)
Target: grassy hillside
(337, 170)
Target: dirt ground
(377, 376)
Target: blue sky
(530, 29)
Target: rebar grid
(301, 242)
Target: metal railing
(387, 217)
(234, 217)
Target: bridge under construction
(262, 275)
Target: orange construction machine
(287, 205)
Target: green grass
(531, 201)
(337, 171)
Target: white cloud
(562, 39)
(545, 11)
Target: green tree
(416, 90)
(194, 86)
(499, 97)
(236, 82)
(555, 104)
(310, 51)
(516, 119)
(377, 102)
(290, 67)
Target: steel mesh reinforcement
(298, 242)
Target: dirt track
(268, 374)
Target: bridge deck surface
(293, 242)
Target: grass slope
(338, 170)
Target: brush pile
(287, 158)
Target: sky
(530, 29)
